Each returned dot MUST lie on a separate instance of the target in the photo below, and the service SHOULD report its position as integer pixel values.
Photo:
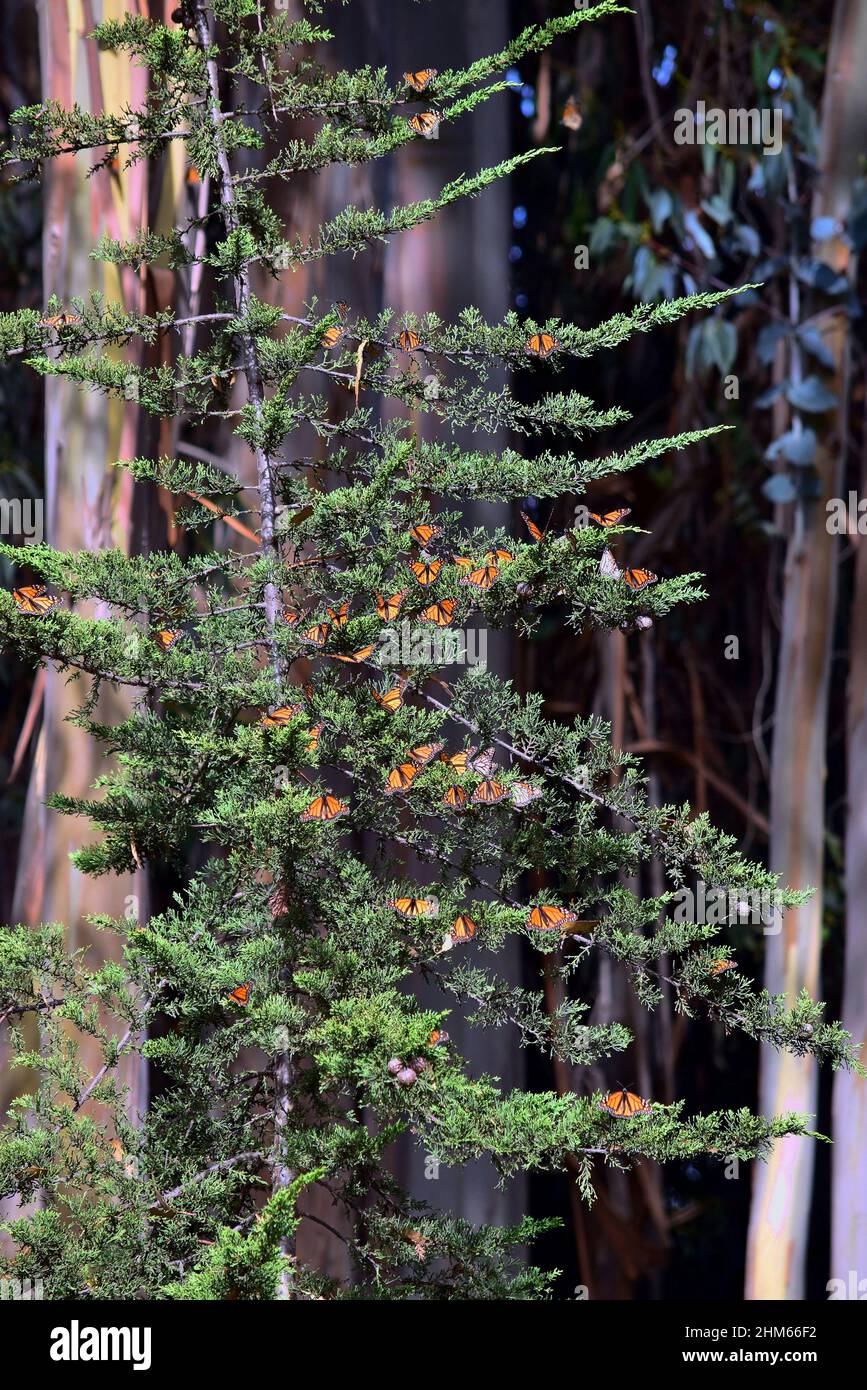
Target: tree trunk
(779, 1218)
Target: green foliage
(274, 995)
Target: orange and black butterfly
(531, 526)
(438, 1038)
(421, 79)
(193, 175)
(463, 562)
(241, 993)
(64, 320)
(424, 532)
(408, 339)
(573, 116)
(463, 928)
(548, 917)
(612, 518)
(523, 793)
(499, 557)
(425, 572)
(439, 613)
(392, 699)
(388, 608)
(313, 741)
(625, 1104)
(459, 761)
(425, 753)
(166, 637)
(325, 808)
(638, 579)
(278, 717)
(720, 965)
(318, 634)
(332, 336)
(292, 616)
(483, 578)
(355, 658)
(401, 778)
(426, 123)
(415, 907)
(339, 616)
(489, 793)
(455, 798)
(34, 599)
(542, 345)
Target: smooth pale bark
(779, 1218)
(89, 504)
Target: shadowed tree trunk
(89, 504)
(782, 1191)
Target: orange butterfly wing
(489, 793)
(440, 613)
(542, 345)
(388, 608)
(401, 778)
(482, 578)
(638, 579)
(426, 572)
(325, 808)
(33, 599)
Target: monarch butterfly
(462, 562)
(425, 571)
(636, 579)
(415, 907)
(426, 123)
(531, 526)
(292, 616)
(34, 599)
(489, 793)
(408, 339)
(59, 320)
(167, 637)
(390, 700)
(458, 761)
(332, 336)
(388, 608)
(573, 117)
(339, 616)
(241, 993)
(523, 793)
(325, 808)
(499, 557)
(193, 175)
(612, 518)
(482, 578)
(424, 532)
(401, 778)
(356, 657)
(439, 613)
(318, 634)
(484, 764)
(548, 917)
(278, 717)
(438, 1038)
(625, 1104)
(313, 741)
(424, 753)
(421, 79)
(720, 965)
(455, 798)
(464, 928)
(224, 383)
(542, 345)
